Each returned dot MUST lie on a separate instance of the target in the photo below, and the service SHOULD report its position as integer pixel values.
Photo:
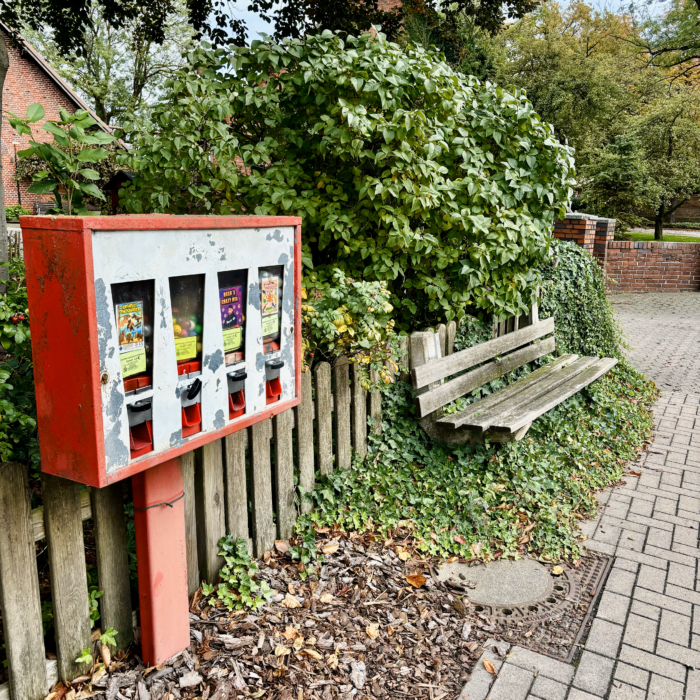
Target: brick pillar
(580, 228)
(604, 235)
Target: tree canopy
(403, 169)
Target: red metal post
(162, 561)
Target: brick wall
(580, 228)
(604, 235)
(653, 266)
(26, 82)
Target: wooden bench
(505, 415)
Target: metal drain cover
(502, 582)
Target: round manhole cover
(502, 582)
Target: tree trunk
(659, 223)
(4, 242)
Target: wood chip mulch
(373, 622)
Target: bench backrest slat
(459, 386)
(436, 370)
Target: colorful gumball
(198, 328)
(177, 330)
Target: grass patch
(493, 500)
(670, 238)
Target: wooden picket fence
(242, 485)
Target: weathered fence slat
(263, 524)
(38, 515)
(19, 587)
(305, 440)
(375, 404)
(441, 330)
(64, 534)
(451, 334)
(341, 404)
(211, 519)
(324, 417)
(236, 487)
(113, 562)
(359, 413)
(188, 471)
(284, 475)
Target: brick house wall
(653, 266)
(29, 79)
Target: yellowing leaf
(326, 598)
(312, 653)
(557, 571)
(332, 661)
(372, 630)
(404, 556)
(290, 602)
(490, 667)
(281, 650)
(299, 642)
(290, 633)
(416, 579)
(331, 548)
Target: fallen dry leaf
(416, 578)
(282, 546)
(476, 548)
(326, 598)
(332, 661)
(557, 571)
(290, 633)
(282, 650)
(631, 473)
(459, 539)
(312, 653)
(490, 667)
(299, 642)
(290, 602)
(331, 548)
(404, 556)
(372, 630)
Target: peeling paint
(214, 361)
(116, 451)
(163, 319)
(254, 296)
(104, 317)
(176, 438)
(219, 420)
(276, 235)
(283, 259)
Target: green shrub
(403, 169)
(573, 291)
(14, 211)
(18, 430)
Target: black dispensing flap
(238, 376)
(194, 389)
(275, 364)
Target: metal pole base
(162, 561)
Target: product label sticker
(270, 324)
(232, 317)
(186, 348)
(132, 349)
(270, 297)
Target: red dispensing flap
(273, 390)
(141, 439)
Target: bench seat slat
(478, 415)
(445, 393)
(444, 367)
(520, 416)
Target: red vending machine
(151, 336)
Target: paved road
(644, 642)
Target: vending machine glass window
(187, 301)
(133, 313)
(233, 299)
(271, 286)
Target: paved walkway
(644, 641)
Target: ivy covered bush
(573, 291)
(404, 170)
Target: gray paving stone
(480, 681)
(547, 689)
(651, 578)
(689, 503)
(632, 540)
(668, 555)
(695, 642)
(659, 538)
(661, 688)
(674, 628)
(645, 660)
(687, 657)
(513, 683)
(575, 694)
(679, 575)
(613, 607)
(625, 565)
(632, 675)
(692, 689)
(608, 534)
(640, 632)
(622, 691)
(662, 601)
(620, 581)
(542, 665)
(645, 610)
(683, 594)
(686, 536)
(604, 638)
(642, 558)
(593, 673)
